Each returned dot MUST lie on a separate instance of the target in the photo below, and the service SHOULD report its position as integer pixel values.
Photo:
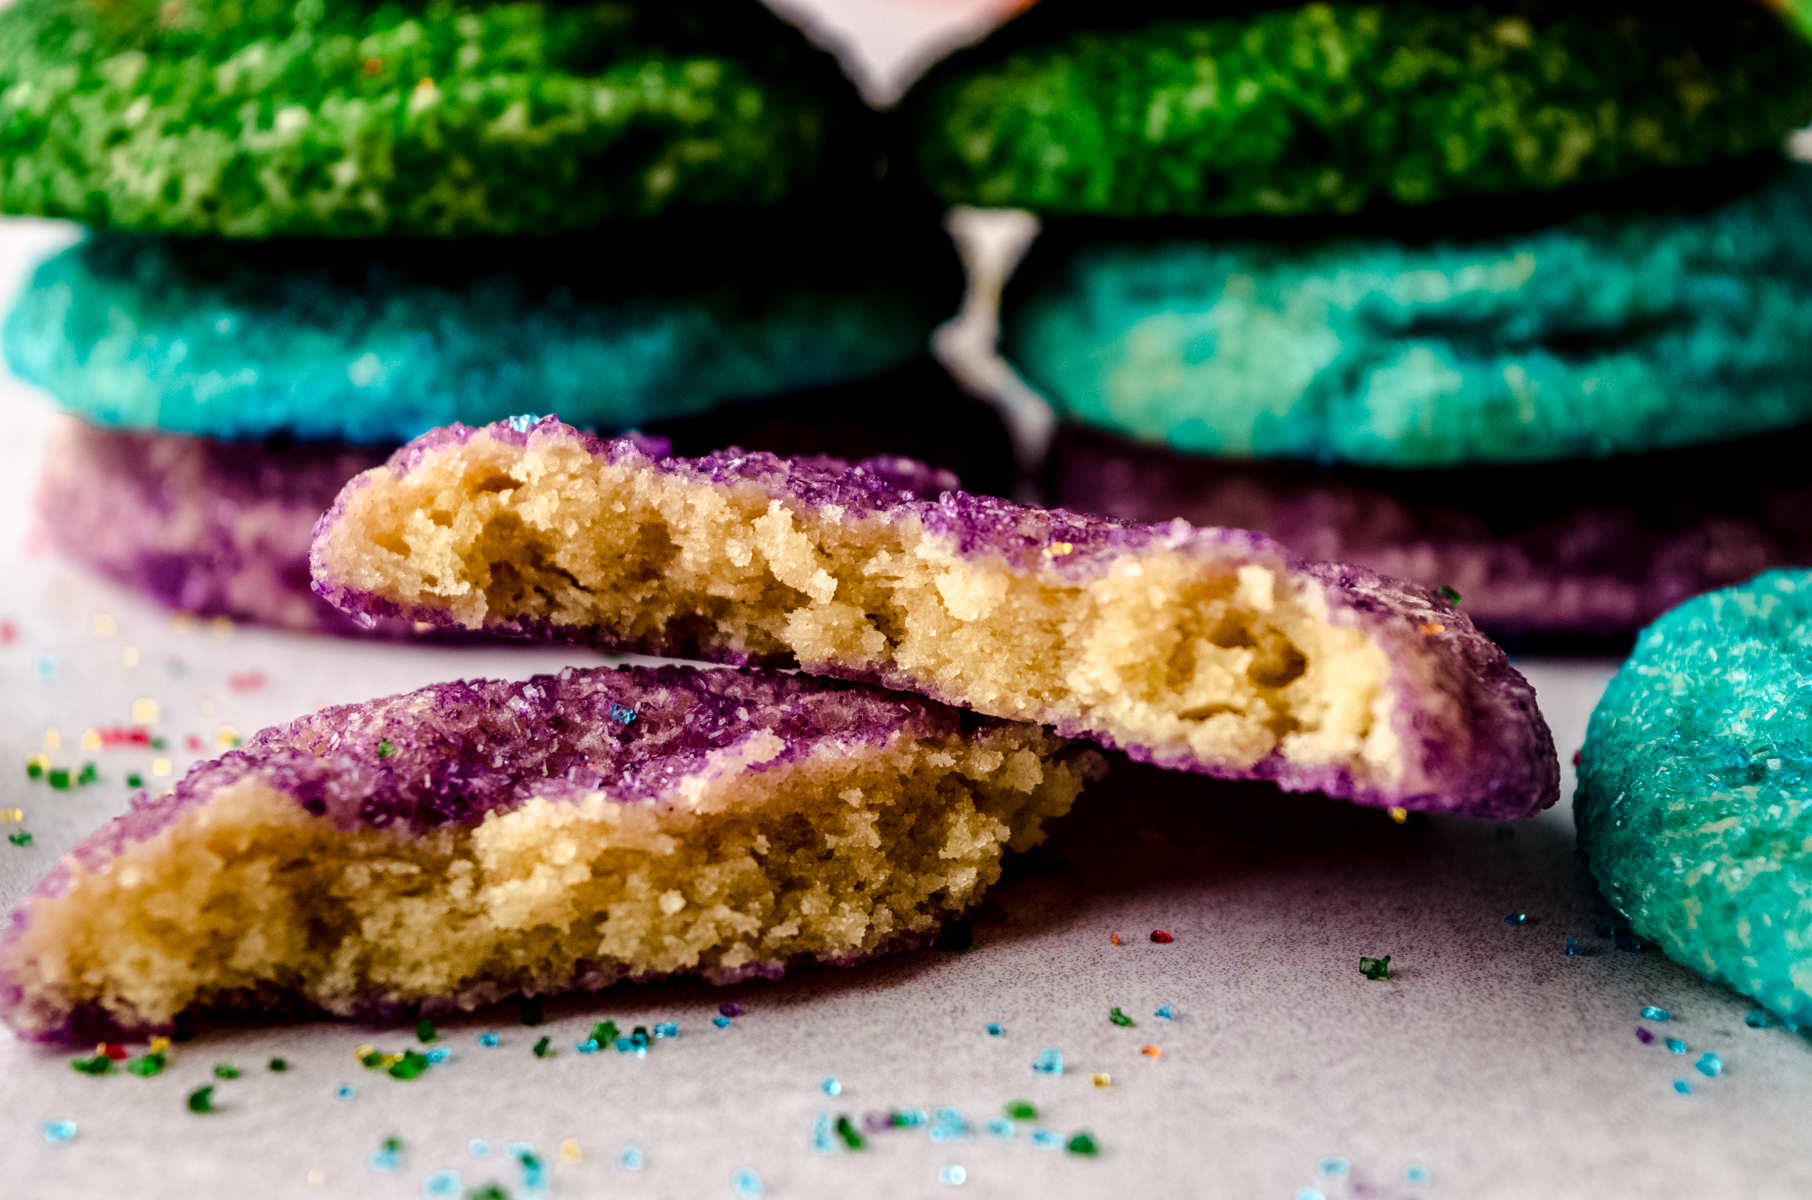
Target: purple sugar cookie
(447, 847)
(1597, 547)
(1211, 650)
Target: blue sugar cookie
(376, 342)
(1606, 332)
(1695, 789)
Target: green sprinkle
(374, 1059)
(225, 1071)
(59, 778)
(34, 769)
(147, 1066)
(1083, 1143)
(528, 1011)
(604, 1033)
(385, 749)
(425, 1032)
(278, 1064)
(851, 1138)
(135, 780)
(19, 839)
(1375, 968)
(1020, 1110)
(393, 1145)
(489, 1191)
(1451, 596)
(201, 1100)
(1119, 1018)
(541, 1050)
(409, 1066)
(100, 1064)
(158, 743)
(89, 774)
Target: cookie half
(1202, 649)
(447, 847)
(1695, 789)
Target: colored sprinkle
(1417, 1173)
(570, 1152)
(1683, 1087)
(1710, 1065)
(100, 1064)
(1115, 939)
(1517, 919)
(1101, 1079)
(1000, 1127)
(949, 1125)
(1020, 1110)
(1309, 1193)
(851, 1138)
(59, 778)
(89, 774)
(604, 1032)
(1375, 968)
(666, 1029)
(522, 421)
(1165, 1013)
(201, 1100)
(1573, 946)
(135, 780)
(388, 1157)
(149, 1065)
(1651, 1013)
(278, 1064)
(622, 713)
(1629, 943)
(1757, 1018)
(488, 1039)
(721, 1022)
(588, 1046)
(1451, 596)
(730, 1008)
(489, 1191)
(1119, 1018)
(1049, 1061)
(425, 1032)
(1334, 1166)
(528, 1011)
(441, 1183)
(46, 666)
(631, 1158)
(746, 1183)
(385, 749)
(478, 1148)
(995, 1029)
(541, 1049)
(911, 1117)
(1083, 1143)
(830, 1086)
(409, 1066)
(1401, 815)
(1151, 1052)
(821, 1135)
(347, 1091)
(1644, 1036)
(439, 1054)
(19, 839)
(225, 1071)
(1046, 1139)
(1161, 938)
(1676, 1045)
(952, 1175)
(877, 1122)
(58, 1132)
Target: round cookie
(1594, 549)
(1695, 789)
(376, 342)
(545, 836)
(276, 118)
(1176, 108)
(1609, 332)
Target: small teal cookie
(376, 342)
(1605, 333)
(300, 118)
(1695, 789)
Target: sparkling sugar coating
(1695, 789)
(1458, 724)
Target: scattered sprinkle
(1517, 919)
(822, 1140)
(478, 1148)
(144, 712)
(488, 1039)
(1683, 1087)
(1049, 1061)
(722, 1022)
(45, 666)
(1334, 1166)
(588, 1046)
(542, 1050)
(952, 1175)
(201, 1100)
(1651, 1013)
(1151, 1052)
(58, 1132)
(1757, 1018)
(1046, 1139)
(666, 1029)
(1451, 596)
(409, 1065)
(1165, 1013)
(631, 1158)
(908, 1118)
(347, 1091)
(730, 1008)
(225, 1071)
(21, 838)
(851, 1138)
(570, 1152)
(1115, 939)
(1000, 1127)
(135, 780)
(1161, 938)
(622, 713)
(1119, 1018)
(1573, 946)
(1401, 815)
(425, 1032)
(1059, 549)
(949, 1125)
(830, 1086)
(1309, 1193)
(161, 767)
(995, 1029)
(490, 1191)
(1676, 1045)
(148, 1065)
(441, 1183)
(384, 748)
(100, 1064)
(1101, 1079)
(388, 1157)
(1710, 1065)
(1430, 628)
(1375, 968)
(1416, 1173)
(1083, 1143)
(278, 1064)
(1020, 1110)
(746, 1183)
(1643, 1035)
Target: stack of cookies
(1512, 297)
(317, 232)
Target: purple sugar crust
(1598, 548)
(459, 751)
(1491, 755)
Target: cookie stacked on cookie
(317, 231)
(1463, 292)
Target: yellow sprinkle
(206, 706)
(53, 739)
(100, 1048)
(1058, 549)
(362, 1051)
(91, 739)
(183, 624)
(40, 761)
(102, 625)
(227, 736)
(317, 1177)
(11, 816)
(144, 712)
(160, 1045)
(222, 627)
(1100, 1079)
(570, 1152)
(390, 1060)
(1399, 815)
(160, 767)
(1152, 1052)
(1430, 629)
(129, 656)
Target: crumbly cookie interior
(248, 899)
(1214, 660)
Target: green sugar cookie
(1174, 108)
(1695, 789)
(298, 118)
(1605, 333)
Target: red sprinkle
(9, 633)
(122, 735)
(114, 1052)
(194, 743)
(1114, 938)
(1577, 754)
(251, 681)
(1160, 937)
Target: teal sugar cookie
(1184, 108)
(376, 342)
(1605, 333)
(273, 117)
(1695, 789)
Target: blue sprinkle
(1517, 919)
(478, 1148)
(1165, 1013)
(667, 1029)
(1000, 1127)
(631, 1158)
(949, 1125)
(830, 1086)
(588, 1046)
(441, 1183)
(822, 1141)
(1676, 1045)
(721, 1022)
(517, 1149)
(438, 1054)
(534, 1171)
(1049, 1061)
(913, 1117)
(1045, 1139)
(385, 1159)
(621, 713)
(58, 1132)
(1573, 946)
(1303, 1193)
(1417, 1173)
(1710, 1065)
(1757, 1018)
(1651, 1013)
(347, 1091)
(523, 422)
(46, 666)
(994, 1030)
(952, 1176)
(1334, 1167)
(488, 1039)
(1683, 1087)
(746, 1183)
